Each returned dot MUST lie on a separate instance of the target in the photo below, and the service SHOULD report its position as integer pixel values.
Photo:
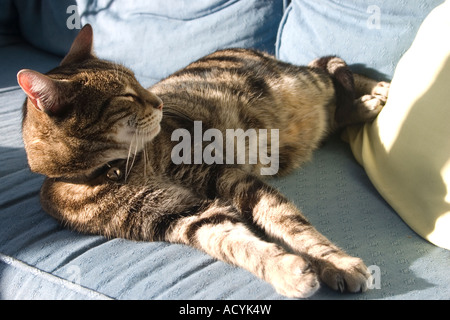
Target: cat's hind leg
(367, 86)
(358, 98)
(371, 98)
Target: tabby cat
(106, 144)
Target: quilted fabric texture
(369, 35)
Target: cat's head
(85, 113)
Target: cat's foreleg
(280, 219)
(220, 231)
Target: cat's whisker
(135, 151)
(145, 155)
(145, 148)
(129, 166)
(128, 161)
(116, 71)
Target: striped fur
(87, 113)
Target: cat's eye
(114, 174)
(130, 96)
(133, 98)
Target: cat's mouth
(140, 136)
(146, 129)
(140, 128)
(149, 132)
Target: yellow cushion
(406, 150)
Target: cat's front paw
(293, 277)
(344, 273)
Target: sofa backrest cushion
(9, 28)
(43, 23)
(156, 38)
(370, 35)
(153, 38)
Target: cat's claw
(293, 277)
(370, 105)
(381, 91)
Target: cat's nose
(158, 104)
(155, 101)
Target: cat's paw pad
(381, 91)
(371, 103)
(292, 276)
(368, 107)
(345, 273)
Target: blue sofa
(39, 259)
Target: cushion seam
(18, 264)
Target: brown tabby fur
(84, 115)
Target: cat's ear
(44, 92)
(82, 46)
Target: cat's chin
(150, 135)
(141, 135)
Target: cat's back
(241, 87)
(247, 89)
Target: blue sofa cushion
(43, 23)
(156, 38)
(153, 38)
(9, 28)
(370, 35)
